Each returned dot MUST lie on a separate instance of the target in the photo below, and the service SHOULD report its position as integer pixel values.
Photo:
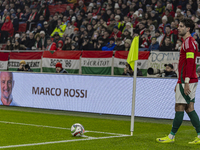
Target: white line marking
(64, 141)
(35, 125)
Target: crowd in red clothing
(97, 25)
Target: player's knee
(188, 110)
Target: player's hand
(175, 88)
(187, 89)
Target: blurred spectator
(59, 68)
(33, 18)
(9, 45)
(60, 28)
(6, 30)
(87, 44)
(18, 46)
(24, 17)
(127, 44)
(60, 45)
(170, 34)
(47, 29)
(110, 46)
(159, 7)
(174, 28)
(116, 33)
(30, 41)
(19, 14)
(51, 46)
(17, 37)
(119, 45)
(15, 22)
(38, 29)
(44, 11)
(154, 44)
(56, 38)
(158, 36)
(169, 17)
(178, 15)
(41, 21)
(198, 72)
(23, 39)
(69, 29)
(67, 44)
(21, 65)
(196, 37)
(99, 44)
(75, 33)
(166, 46)
(43, 40)
(37, 42)
(178, 45)
(27, 68)
(112, 25)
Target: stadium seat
(22, 27)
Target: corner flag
(133, 52)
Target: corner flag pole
(132, 61)
(133, 98)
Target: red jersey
(187, 64)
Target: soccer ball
(77, 129)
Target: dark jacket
(10, 47)
(67, 46)
(15, 23)
(63, 71)
(30, 43)
(108, 47)
(119, 48)
(166, 48)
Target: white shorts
(180, 95)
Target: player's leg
(194, 118)
(178, 119)
(179, 108)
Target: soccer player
(187, 83)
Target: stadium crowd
(96, 25)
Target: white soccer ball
(77, 129)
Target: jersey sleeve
(190, 49)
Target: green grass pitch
(37, 129)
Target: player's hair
(188, 23)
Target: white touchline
(44, 126)
(64, 141)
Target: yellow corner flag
(133, 52)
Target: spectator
(154, 44)
(38, 29)
(30, 41)
(119, 45)
(6, 30)
(87, 44)
(23, 39)
(112, 25)
(56, 38)
(110, 46)
(116, 33)
(44, 11)
(41, 21)
(127, 34)
(60, 28)
(178, 45)
(166, 46)
(67, 44)
(178, 15)
(159, 7)
(60, 45)
(170, 34)
(19, 14)
(174, 28)
(75, 33)
(99, 44)
(169, 17)
(152, 30)
(9, 45)
(51, 46)
(15, 22)
(90, 30)
(129, 72)
(33, 18)
(18, 46)
(17, 37)
(198, 72)
(69, 29)
(129, 28)
(27, 68)
(169, 71)
(37, 42)
(21, 65)
(159, 36)
(47, 29)
(43, 40)
(127, 44)
(25, 16)
(59, 68)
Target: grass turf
(146, 131)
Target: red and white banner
(120, 60)
(3, 61)
(33, 59)
(70, 61)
